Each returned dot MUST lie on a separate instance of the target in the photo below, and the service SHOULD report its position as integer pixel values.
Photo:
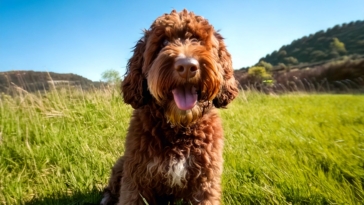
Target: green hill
(331, 60)
(335, 42)
(34, 81)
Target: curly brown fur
(173, 149)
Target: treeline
(344, 75)
(341, 40)
(34, 81)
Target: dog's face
(182, 64)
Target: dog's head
(181, 63)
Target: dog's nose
(187, 67)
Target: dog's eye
(165, 42)
(194, 40)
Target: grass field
(58, 147)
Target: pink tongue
(185, 97)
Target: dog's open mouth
(185, 96)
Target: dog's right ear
(134, 86)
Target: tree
(268, 67)
(338, 46)
(317, 55)
(282, 66)
(282, 53)
(259, 73)
(111, 76)
(291, 60)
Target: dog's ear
(134, 86)
(229, 89)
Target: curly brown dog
(179, 74)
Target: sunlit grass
(296, 149)
(58, 147)
(58, 144)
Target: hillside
(331, 60)
(340, 40)
(34, 81)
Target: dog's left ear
(229, 89)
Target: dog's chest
(173, 169)
(176, 171)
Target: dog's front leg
(208, 194)
(111, 192)
(129, 193)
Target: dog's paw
(105, 200)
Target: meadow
(58, 147)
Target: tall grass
(58, 147)
(299, 149)
(59, 144)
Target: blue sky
(87, 37)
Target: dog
(178, 76)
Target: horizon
(89, 37)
